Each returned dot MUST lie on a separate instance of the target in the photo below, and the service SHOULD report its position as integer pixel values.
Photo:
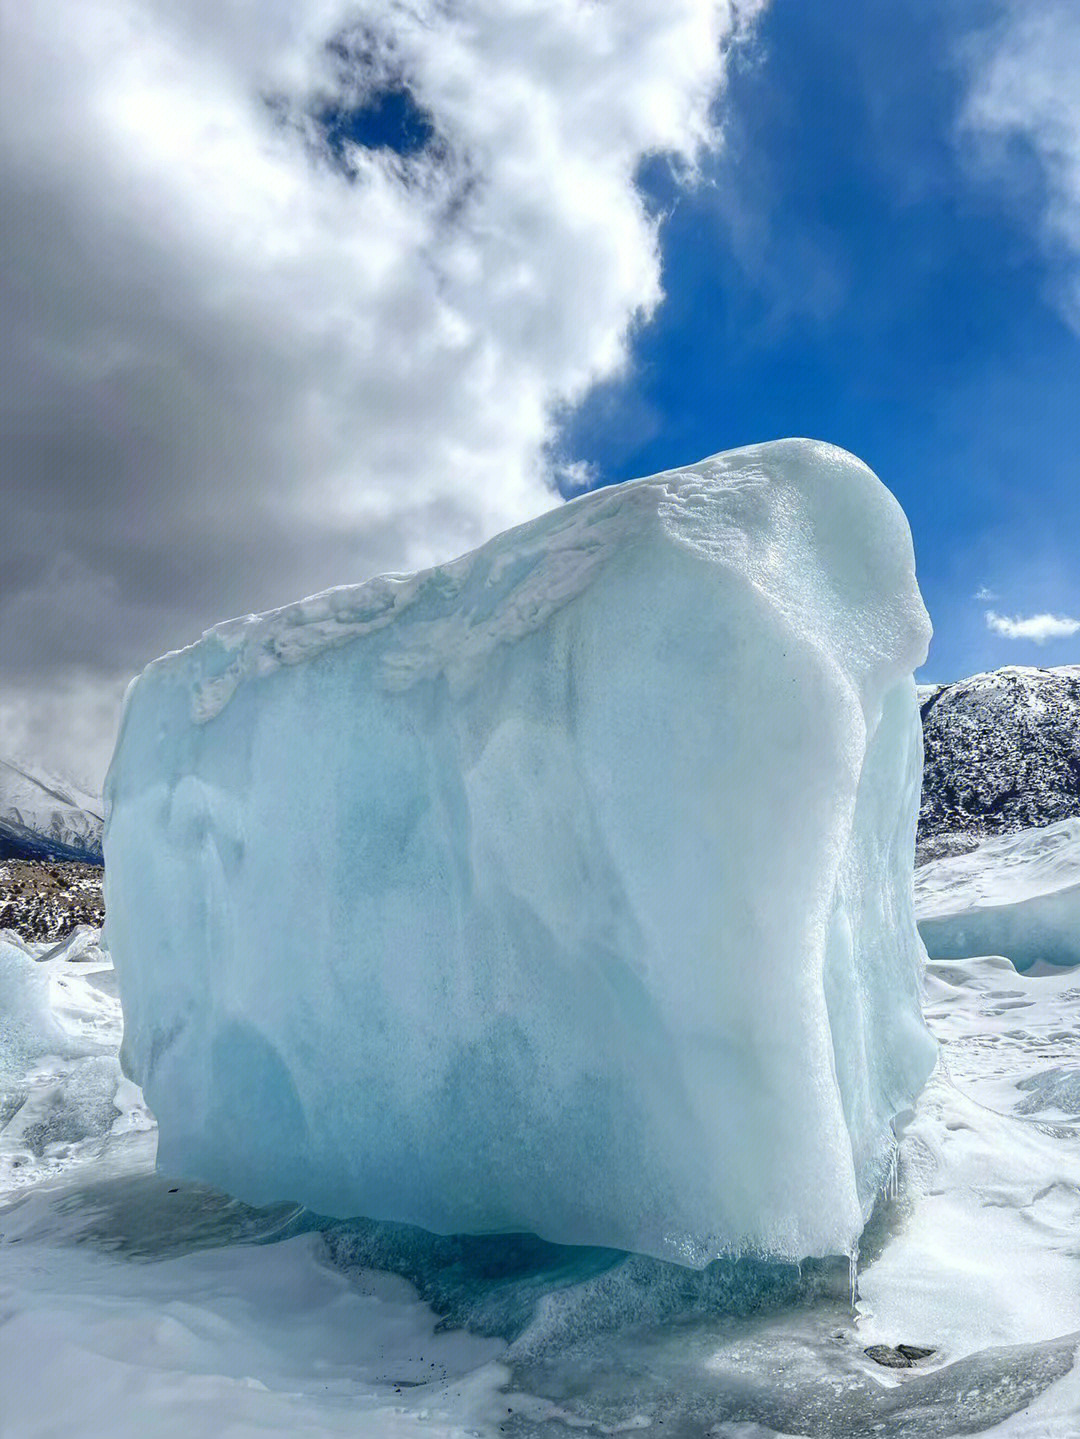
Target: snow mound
(1017, 896)
(63, 1099)
(565, 888)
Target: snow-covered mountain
(1002, 754)
(44, 817)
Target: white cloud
(1038, 628)
(239, 375)
(576, 476)
(1025, 100)
(984, 595)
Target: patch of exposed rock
(45, 900)
(1002, 754)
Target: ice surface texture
(1017, 896)
(565, 888)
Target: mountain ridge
(1001, 754)
(45, 817)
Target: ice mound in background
(28, 1027)
(63, 1099)
(563, 889)
(1018, 896)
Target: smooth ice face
(1017, 896)
(565, 888)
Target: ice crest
(564, 889)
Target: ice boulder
(566, 888)
(1017, 896)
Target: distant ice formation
(565, 888)
(63, 1100)
(1018, 896)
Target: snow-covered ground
(133, 1305)
(1017, 895)
(983, 1246)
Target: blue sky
(848, 271)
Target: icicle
(892, 1182)
(853, 1274)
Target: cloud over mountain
(1039, 628)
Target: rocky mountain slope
(1002, 754)
(43, 817)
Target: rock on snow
(565, 888)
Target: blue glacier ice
(563, 889)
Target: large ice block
(565, 888)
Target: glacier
(1017, 896)
(564, 889)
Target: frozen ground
(132, 1305)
